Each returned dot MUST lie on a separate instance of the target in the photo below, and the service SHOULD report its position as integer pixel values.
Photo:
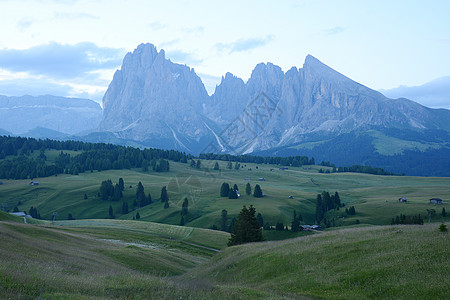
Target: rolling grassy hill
(374, 197)
(107, 259)
(388, 262)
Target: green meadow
(96, 257)
(375, 198)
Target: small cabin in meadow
(402, 200)
(436, 201)
(34, 183)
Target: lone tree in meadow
(184, 207)
(164, 196)
(216, 166)
(225, 190)
(111, 212)
(246, 229)
(257, 191)
(248, 189)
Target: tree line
(18, 163)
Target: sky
(72, 48)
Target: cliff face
(152, 99)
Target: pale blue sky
(72, 48)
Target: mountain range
(48, 116)
(313, 110)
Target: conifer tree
(246, 229)
(111, 212)
(223, 220)
(257, 192)
(232, 194)
(216, 166)
(164, 195)
(248, 189)
(184, 207)
(260, 220)
(224, 190)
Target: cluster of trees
(405, 219)
(34, 213)
(354, 169)
(164, 197)
(350, 211)
(326, 202)
(226, 191)
(109, 191)
(92, 156)
(295, 161)
(246, 228)
(233, 193)
(142, 200)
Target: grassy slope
(100, 259)
(374, 197)
(124, 259)
(401, 262)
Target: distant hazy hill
(435, 93)
(19, 115)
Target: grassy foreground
(388, 262)
(107, 259)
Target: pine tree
(232, 194)
(140, 195)
(224, 190)
(121, 183)
(111, 212)
(337, 199)
(184, 207)
(260, 220)
(138, 216)
(164, 196)
(257, 191)
(70, 217)
(295, 224)
(444, 213)
(216, 166)
(246, 228)
(85, 197)
(248, 189)
(117, 193)
(223, 220)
